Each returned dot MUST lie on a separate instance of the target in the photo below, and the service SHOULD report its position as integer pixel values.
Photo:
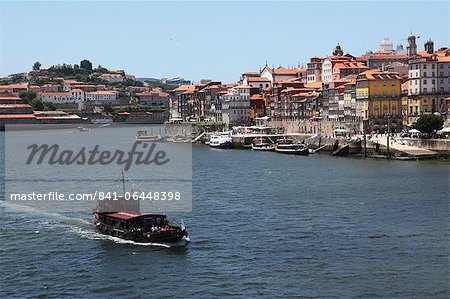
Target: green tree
(28, 95)
(429, 123)
(49, 106)
(37, 104)
(36, 66)
(86, 65)
(101, 69)
(108, 108)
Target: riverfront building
(379, 94)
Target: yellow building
(379, 96)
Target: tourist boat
(140, 227)
(288, 146)
(260, 144)
(221, 140)
(142, 136)
(122, 218)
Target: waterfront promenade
(402, 145)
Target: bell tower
(411, 49)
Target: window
(393, 83)
(384, 83)
(425, 90)
(375, 83)
(384, 93)
(393, 93)
(433, 66)
(424, 74)
(424, 66)
(425, 81)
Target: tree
(49, 106)
(36, 66)
(108, 108)
(28, 95)
(37, 104)
(86, 65)
(101, 69)
(429, 123)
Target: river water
(262, 225)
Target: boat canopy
(130, 215)
(340, 130)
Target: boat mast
(123, 182)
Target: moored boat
(288, 146)
(142, 136)
(259, 144)
(221, 140)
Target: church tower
(411, 49)
(338, 51)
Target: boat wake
(94, 235)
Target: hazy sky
(215, 40)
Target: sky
(206, 40)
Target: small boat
(119, 217)
(181, 139)
(260, 144)
(81, 129)
(288, 146)
(221, 140)
(142, 135)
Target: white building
(236, 105)
(101, 96)
(112, 78)
(73, 96)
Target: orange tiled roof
(55, 94)
(105, 92)
(283, 71)
(257, 79)
(15, 116)
(14, 106)
(185, 88)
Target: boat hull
(302, 152)
(224, 145)
(174, 235)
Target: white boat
(221, 140)
(260, 144)
(81, 129)
(288, 146)
(142, 135)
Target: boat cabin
(130, 220)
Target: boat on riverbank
(288, 146)
(260, 144)
(221, 140)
